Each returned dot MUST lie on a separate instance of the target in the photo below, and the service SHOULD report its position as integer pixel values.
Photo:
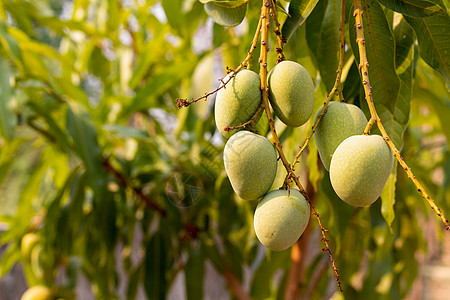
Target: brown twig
(281, 39)
(364, 67)
(251, 121)
(265, 92)
(183, 102)
(335, 87)
(138, 191)
(234, 284)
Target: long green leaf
(416, 8)
(226, 3)
(379, 43)
(434, 43)
(84, 135)
(226, 16)
(388, 197)
(328, 50)
(298, 11)
(195, 272)
(7, 118)
(155, 281)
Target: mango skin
(238, 101)
(360, 168)
(339, 122)
(291, 93)
(29, 240)
(37, 292)
(251, 164)
(280, 219)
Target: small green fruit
(251, 164)
(238, 101)
(339, 122)
(37, 292)
(291, 91)
(360, 168)
(281, 218)
(29, 240)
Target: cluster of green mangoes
(251, 160)
(359, 165)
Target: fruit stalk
(183, 102)
(364, 67)
(281, 40)
(265, 18)
(335, 87)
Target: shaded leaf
(226, 3)
(7, 118)
(226, 16)
(195, 272)
(434, 44)
(298, 11)
(155, 265)
(404, 39)
(328, 50)
(416, 8)
(84, 135)
(9, 258)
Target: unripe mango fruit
(251, 164)
(360, 168)
(280, 218)
(340, 121)
(37, 292)
(29, 240)
(238, 101)
(291, 93)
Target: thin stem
(234, 284)
(137, 191)
(281, 40)
(364, 67)
(335, 87)
(183, 102)
(250, 122)
(265, 92)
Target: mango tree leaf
(388, 197)
(434, 44)
(84, 135)
(7, 118)
(404, 39)
(327, 55)
(155, 264)
(385, 83)
(194, 273)
(416, 8)
(226, 3)
(9, 258)
(226, 16)
(298, 11)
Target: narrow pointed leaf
(434, 44)
(416, 8)
(298, 11)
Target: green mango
(251, 164)
(29, 240)
(238, 101)
(360, 168)
(280, 218)
(291, 93)
(37, 292)
(339, 122)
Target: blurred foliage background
(120, 187)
